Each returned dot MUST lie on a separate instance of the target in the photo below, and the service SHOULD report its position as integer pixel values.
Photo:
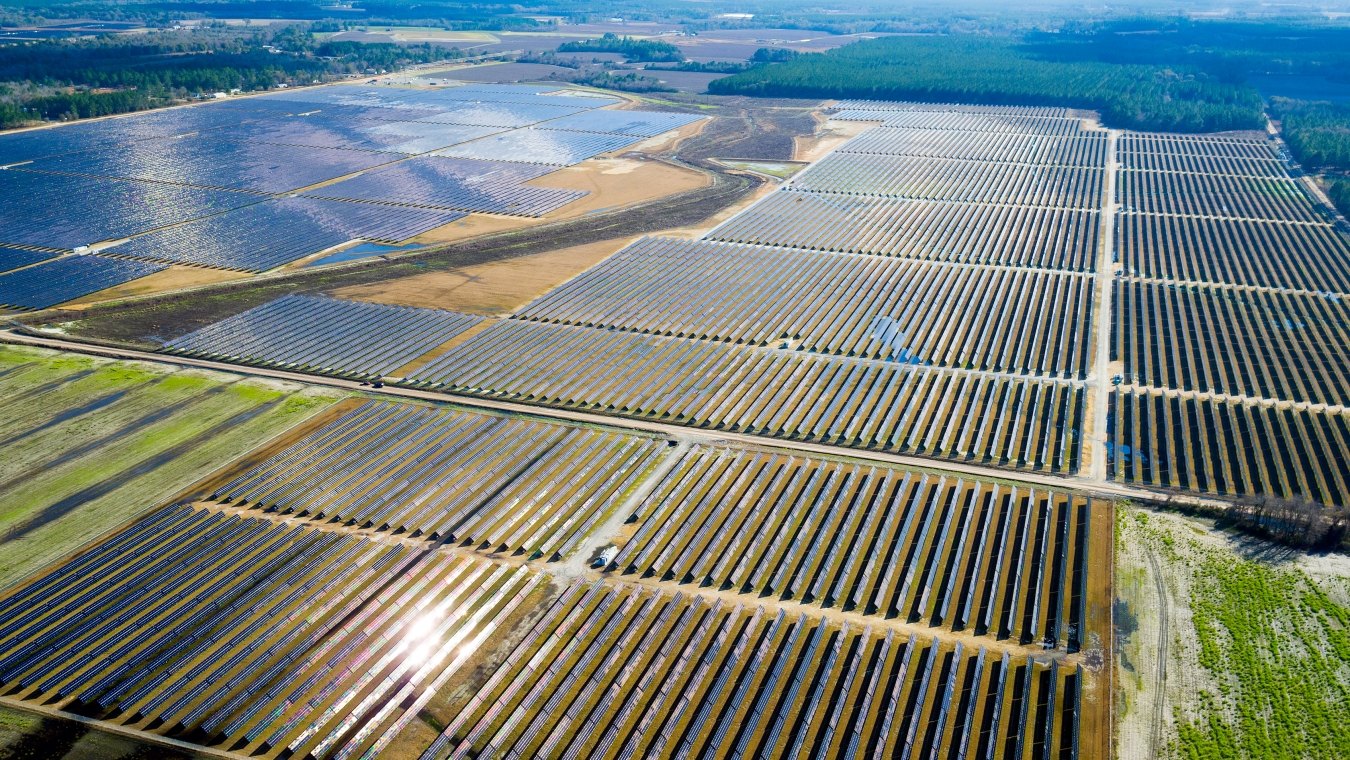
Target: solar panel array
(100, 181)
(1231, 325)
(499, 483)
(31, 144)
(255, 633)
(328, 130)
(1007, 320)
(921, 290)
(67, 278)
(462, 184)
(278, 231)
(639, 123)
(318, 334)
(1019, 236)
(14, 258)
(68, 211)
(881, 405)
(541, 146)
(225, 161)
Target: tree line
(103, 76)
(647, 51)
(1318, 134)
(1001, 71)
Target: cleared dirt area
(620, 181)
(89, 443)
(829, 135)
(496, 287)
(1227, 646)
(612, 183)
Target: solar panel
(68, 211)
(103, 133)
(227, 161)
(327, 334)
(455, 183)
(640, 123)
(541, 146)
(275, 232)
(68, 278)
(14, 258)
(324, 130)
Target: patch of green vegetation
(1277, 645)
(780, 169)
(255, 392)
(631, 48)
(164, 431)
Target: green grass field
(87, 444)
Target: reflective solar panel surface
(455, 183)
(13, 258)
(641, 123)
(541, 146)
(324, 130)
(68, 278)
(329, 334)
(104, 133)
(276, 232)
(232, 161)
(67, 211)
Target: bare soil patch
(617, 182)
(829, 135)
(495, 287)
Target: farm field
(89, 443)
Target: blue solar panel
(541, 146)
(13, 258)
(106, 133)
(68, 278)
(324, 130)
(641, 123)
(276, 232)
(465, 184)
(328, 335)
(68, 211)
(228, 161)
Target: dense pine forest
(1004, 71)
(1318, 133)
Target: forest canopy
(1004, 71)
